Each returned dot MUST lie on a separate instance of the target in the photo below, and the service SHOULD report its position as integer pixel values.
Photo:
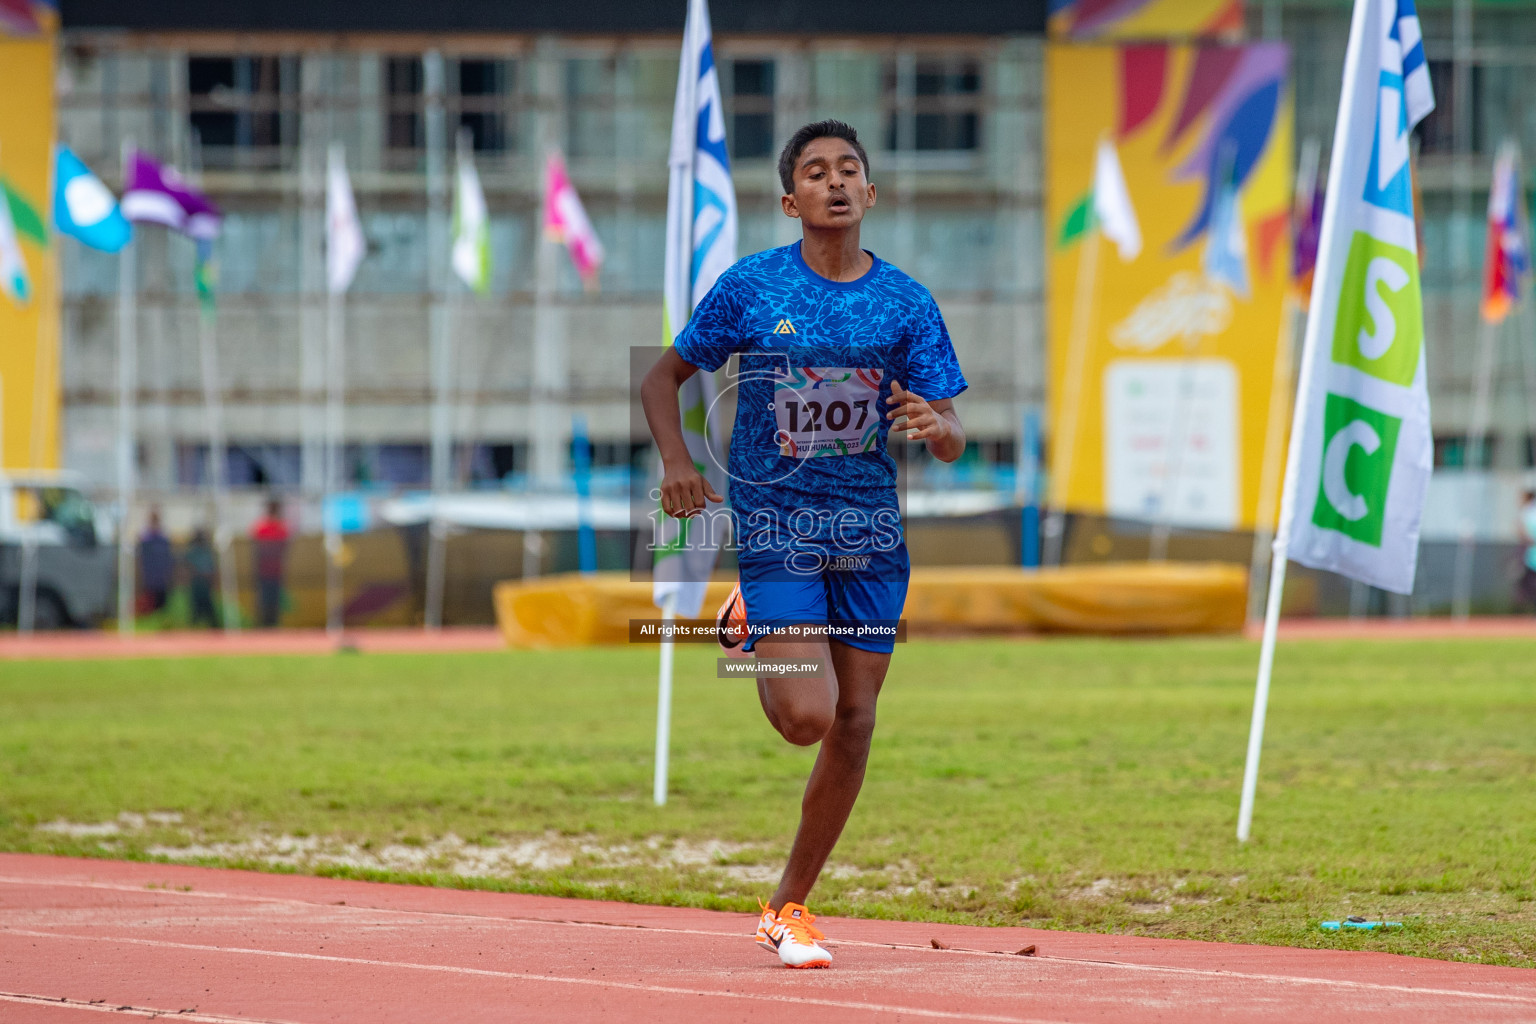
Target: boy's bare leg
(838, 711)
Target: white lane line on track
(27, 999)
(776, 997)
(1280, 979)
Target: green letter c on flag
(1359, 444)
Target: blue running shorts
(859, 597)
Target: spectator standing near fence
(1526, 594)
(200, 562)
(156, 566)
(270, 537)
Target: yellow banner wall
(29, 336)
(1172, 348)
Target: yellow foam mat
(576, 610)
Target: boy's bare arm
(684, 490)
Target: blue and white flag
(701, 244)
(1226, 244)
(1361, 447)
(84, 207)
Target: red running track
(81, 940)
(185, 643)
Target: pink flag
(566, 221)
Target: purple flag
(155, 194)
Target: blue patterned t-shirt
(808, 463)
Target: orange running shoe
(792, 933)
(731, 621)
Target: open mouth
(839, 204)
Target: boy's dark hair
(804, 136)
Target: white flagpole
(213, 413)
(1304, 384)
(44, 385)
(127, 386)
(335, 391)
(1072, 399)
(213, 419)
(1523, 331)
(440, 340)
(313, 268)
(1274, 445)
(664, 703)
(677, 300)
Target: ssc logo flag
(701, 245)
(1361, 449)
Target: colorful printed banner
(29, 332)
(28, 18)
(1361, 449)
(1180, 339)
(1103, 20)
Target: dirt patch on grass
(161, 835)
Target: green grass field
(1077, 784)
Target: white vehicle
(72, 547)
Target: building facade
(950, 110)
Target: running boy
(836, 345)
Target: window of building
(484, 86)
(946, 107)
(246, 464)
(403, 84)
(244, 109)
(1437, 132)
(1454, 451)
(751, 107)
(590, 88)
(496, 462)
(399, 465)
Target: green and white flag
(471, 223)
(13, 267)
(1361, 449)
(1107, 207)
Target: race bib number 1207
(827, 410)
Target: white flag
(471, 223)
(344, 243)
(701, 244)
(1361, 449)
(1112, 203)
(14, 281)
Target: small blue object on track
(1358, 924)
